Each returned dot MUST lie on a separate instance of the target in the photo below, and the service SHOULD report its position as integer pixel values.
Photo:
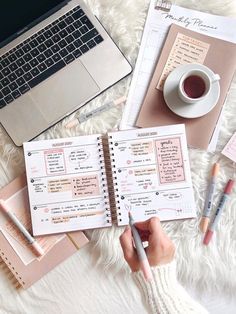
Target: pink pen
(34, 244)
(144, 264)
(227, 191)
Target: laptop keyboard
(45, 53)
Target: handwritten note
(151, 173)
(55, 162)
(230, 148)
(170, 160)
(59, 185)
(142, 179)
(184, 50)
(85, 186)
(67, 189)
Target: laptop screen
(17, 16)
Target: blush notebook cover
(15, 252)
(183, 46)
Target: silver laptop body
(67, 89)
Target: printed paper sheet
(152, 174)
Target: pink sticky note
(230, 148)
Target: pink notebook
(14, 250)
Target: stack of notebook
(16, 253)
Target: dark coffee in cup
(194, 86)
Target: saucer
(177, 105)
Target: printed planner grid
(151, 174)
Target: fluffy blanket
(211, 267)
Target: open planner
(92, 181)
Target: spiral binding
(103, 166)
(10, 271)
(114, 180)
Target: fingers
(129, 251)
(150, 228)
(144, 234)
(160, 248)
(152, 225)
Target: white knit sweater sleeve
(164, 294)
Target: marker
(208, 202)
(224, 198)
(34, 244)
(144, 264)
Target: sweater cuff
(164, 294)
(164, 276)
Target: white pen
(144, 264)
(34, 244)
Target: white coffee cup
(195, 85)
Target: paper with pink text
(230, 148)
(151, 173)
(67, 188)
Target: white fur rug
(212, 267)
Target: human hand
(160, 248)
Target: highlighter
(208, 202)
(224, 198)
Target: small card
(230, 148)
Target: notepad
(93, 181)
(16, 253)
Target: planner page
(67, 184)
(151, 173)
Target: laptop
(55, 56)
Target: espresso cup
(195, 85)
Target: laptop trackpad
(65, 91)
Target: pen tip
(207, 237)
(3, 206)
(229, 187)
(72, 124)
(204, 224)
(216, 169)
(37, 249)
